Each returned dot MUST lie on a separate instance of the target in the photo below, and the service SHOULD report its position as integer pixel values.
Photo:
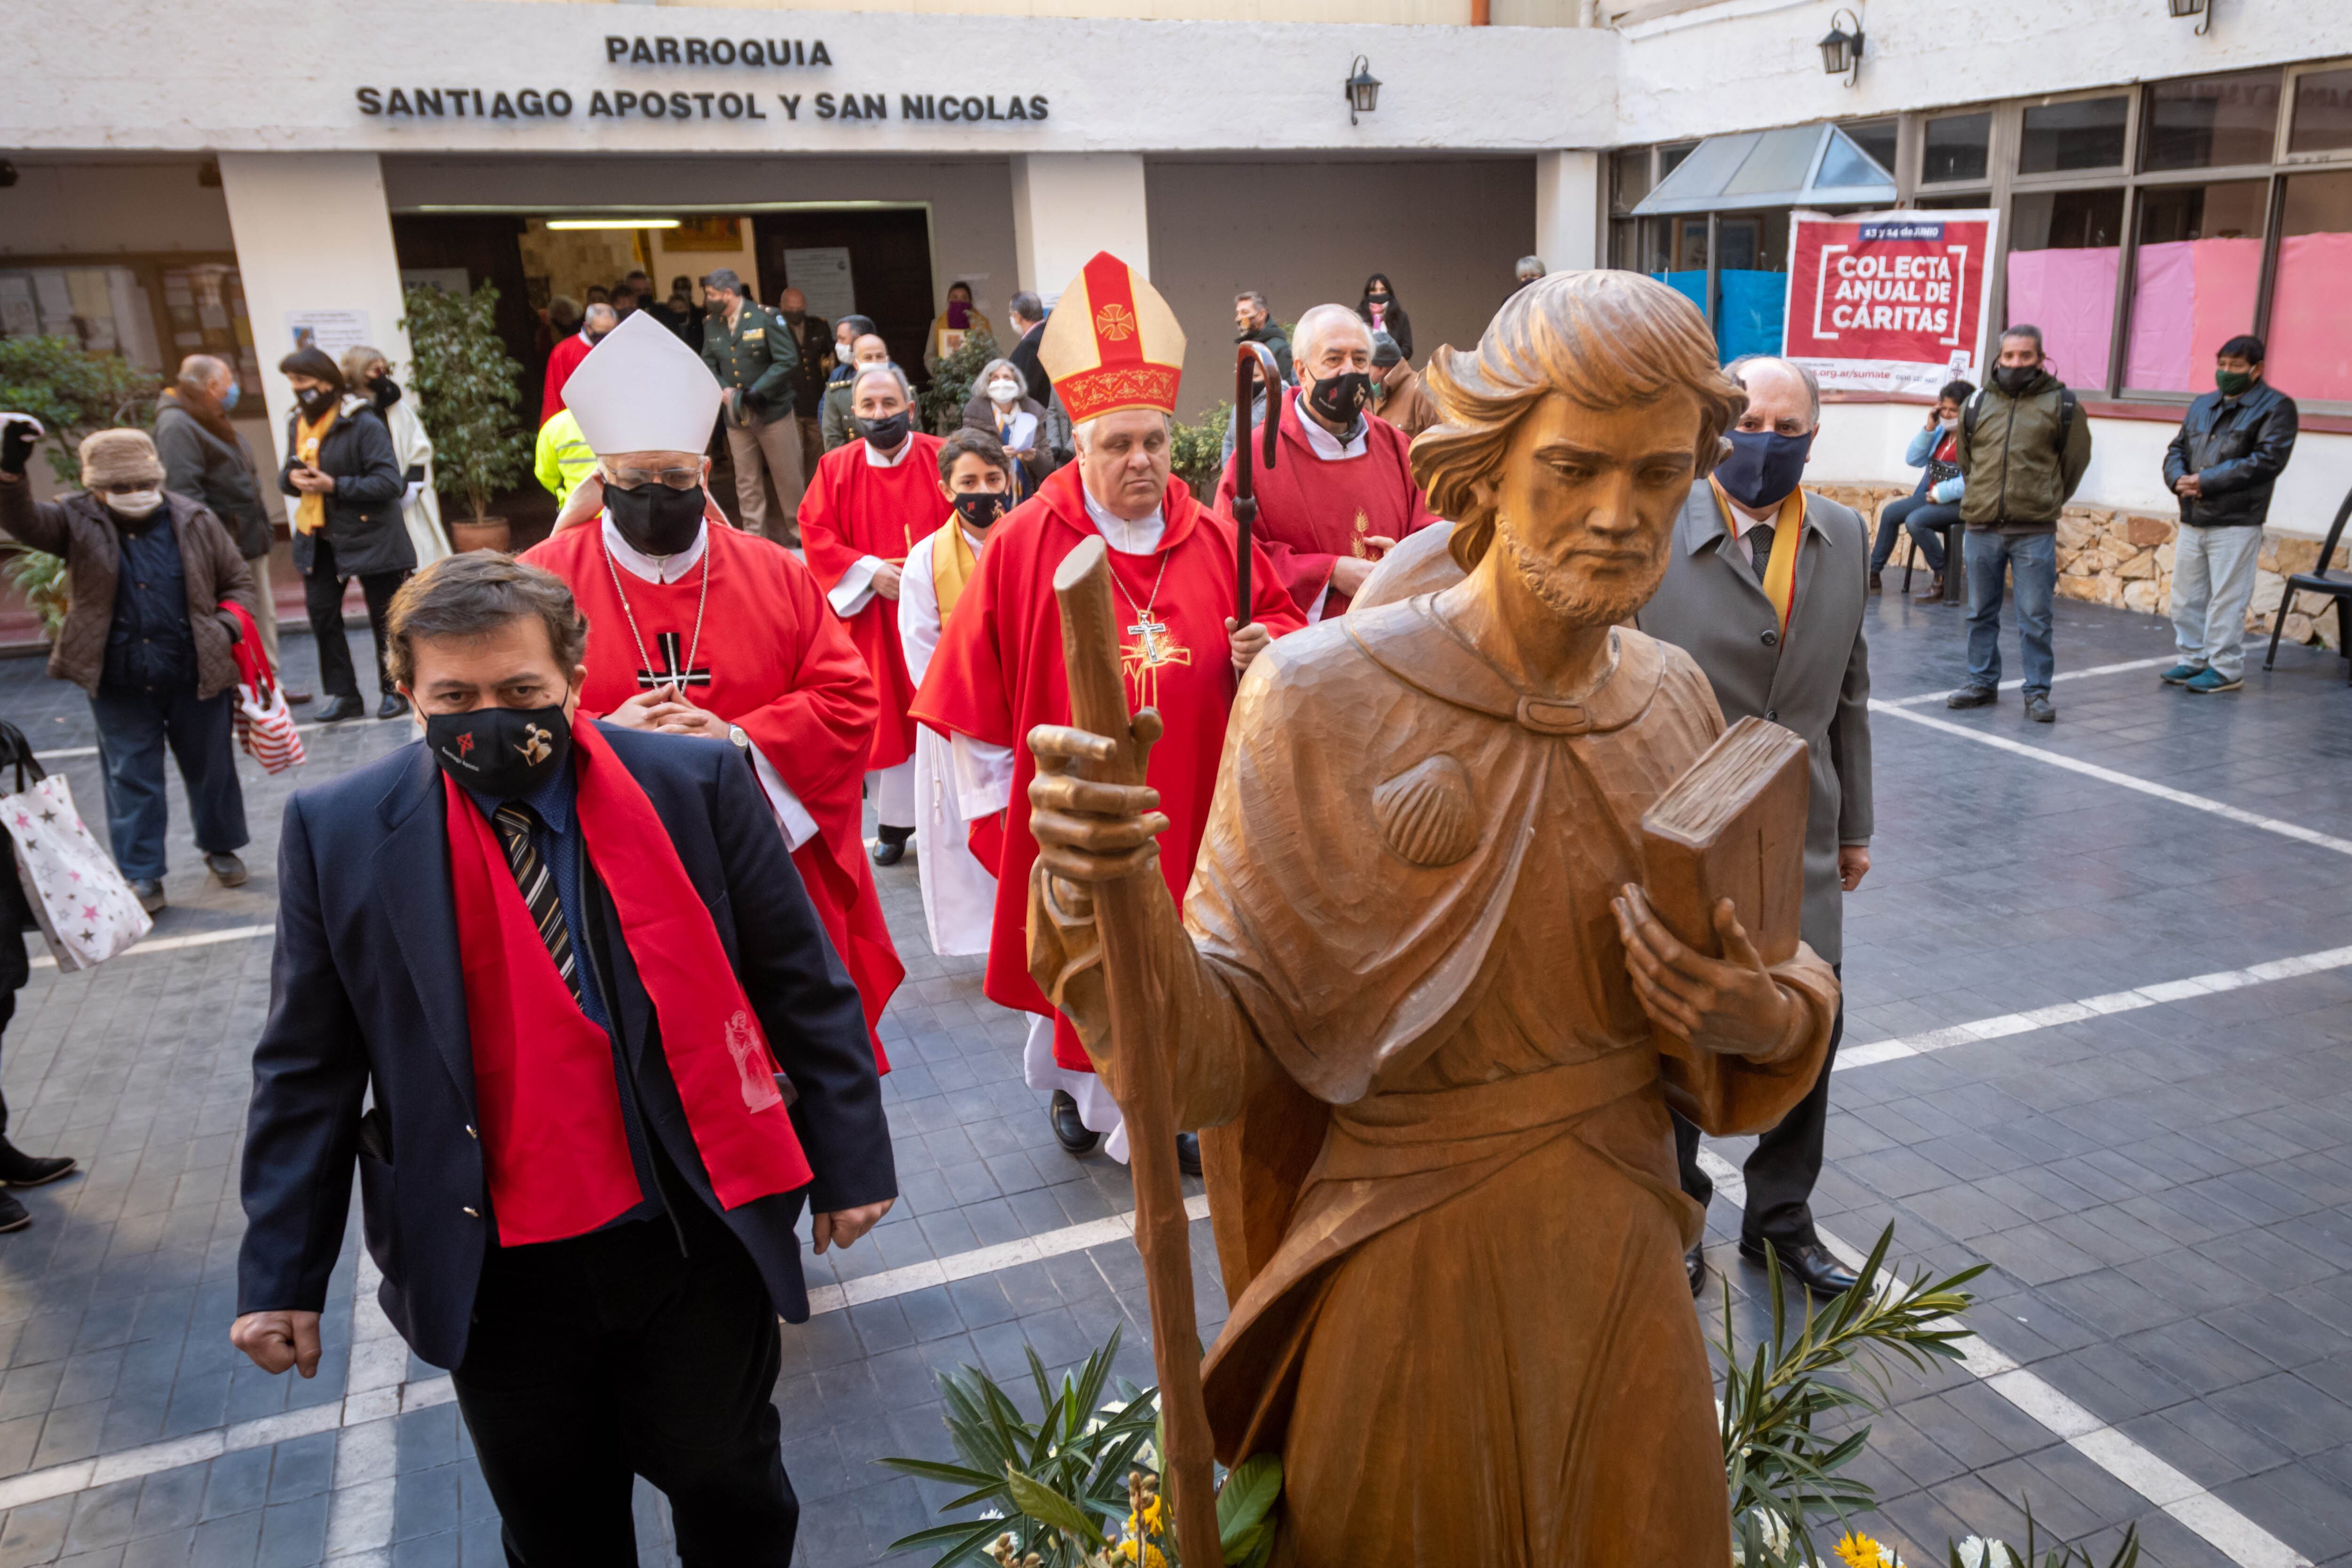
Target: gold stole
(1779, 582)
(953, 559)
(310, 511)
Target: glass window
(2322, 112)
(2064, 250)
(1876, 137)
(2197, 272)
(1958, 148)
(2311, 331)
(1628, 177)
(1671, 158)
(106, 310)
(2087, 134)
(1947, 204)
(2211, 121)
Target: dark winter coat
(204, 464)
(77, 526)
(363, 519)
(2236, 447)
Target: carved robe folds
(1440, 1166)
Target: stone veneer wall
(2111, 556)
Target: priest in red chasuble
(1115, 354)
(1341, 493)
(706, 630)
(873, 501)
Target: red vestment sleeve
(825, 523)
(1271, 599)
(986, 839)
(1303, 575)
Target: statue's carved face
(1585, 500)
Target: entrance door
(889, 267)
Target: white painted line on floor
(2229, 1532)
(1877, 1051)
(2019, 684)
(984, 1260)
(174, 943)
(2108, 776)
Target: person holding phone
(347, 482)
(1933, 504)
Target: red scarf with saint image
(553, 1142)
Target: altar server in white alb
(959, 891)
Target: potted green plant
(73, 393)
(950, 388)
(466, 387)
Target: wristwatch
(736, 733)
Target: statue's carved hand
(1730, 1004)
(1091, 833)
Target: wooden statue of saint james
(1422, 1009)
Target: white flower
(1977, 1551)
(1772, 1532)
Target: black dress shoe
(392, 706)
(14, 1215)
(336, 709)
(1072, 1134)
(1188, 1152)
(228, 870)
(1811, 1265)
(890, 843)
(1694, 1265)
(19, 1169)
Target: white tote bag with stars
(86, 910)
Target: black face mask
(2015, 378)
(889, 433)
(978, 510)
(1763, 468)
(316, 401)
(656, 519)
(796, 317)
(1380, 299)
(503, 752)
(385, 391)
(1339, 398)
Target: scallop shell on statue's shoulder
(1428, 814)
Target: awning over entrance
(1797, 166)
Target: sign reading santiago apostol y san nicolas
(519, 104)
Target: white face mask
(1004, 394)
(135, 503)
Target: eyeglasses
(636, 479)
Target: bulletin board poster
(1890, 302)
(332, 331)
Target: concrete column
(1067, 205)
(1567, 210)
(312, 234)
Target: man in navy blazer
(646, 1344)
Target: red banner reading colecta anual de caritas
(1893, 301)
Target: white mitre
(642, 390)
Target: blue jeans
(1924, 520)
(2032, 563)
(133, 727)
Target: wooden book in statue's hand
(1733, 826)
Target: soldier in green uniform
(750, 350)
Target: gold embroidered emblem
(1363, 528)
(1141, 660)
(536, 744)
(1116, 323)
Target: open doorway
(889, 256)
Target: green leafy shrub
(951, 383)
(1196, 452)
(74, 392)
(467, 388)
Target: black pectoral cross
(672, 673)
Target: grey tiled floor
(2165, 1195)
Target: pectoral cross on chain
(672, 673)
(1141, 660)
(1147, 633)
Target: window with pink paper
(2194, 279)
(2063, 252)
(2311, 327)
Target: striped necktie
(514, 821)
(1760, 547)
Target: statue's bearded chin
(1572, 594)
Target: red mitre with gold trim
(1112, 343)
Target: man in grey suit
(1765, 589)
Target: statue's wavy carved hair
(1601, 339)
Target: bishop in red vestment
(873, 501)
(998, 669)
(702, 628)
(1341, 491)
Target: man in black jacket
(581, 1171)
(346, 522)
(2224, 463)
(207, 459)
